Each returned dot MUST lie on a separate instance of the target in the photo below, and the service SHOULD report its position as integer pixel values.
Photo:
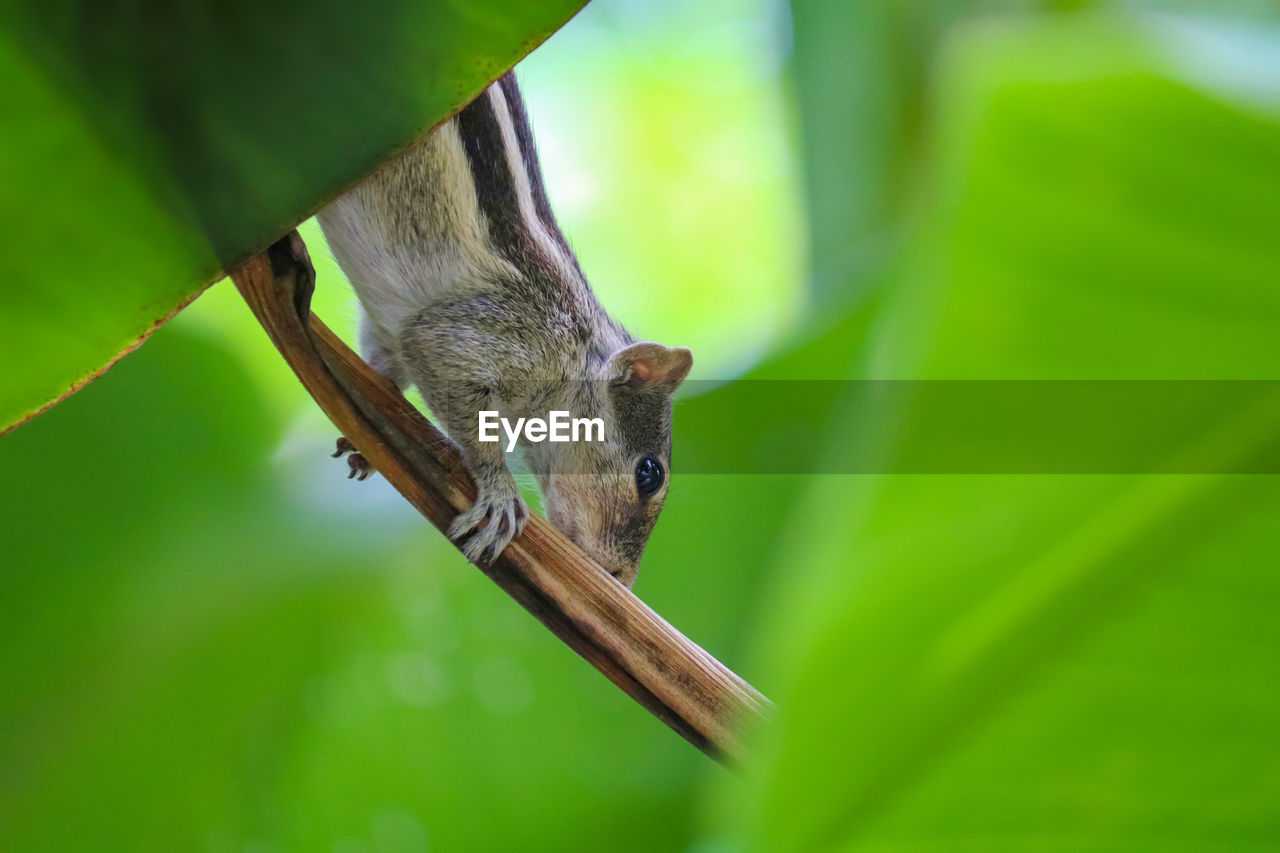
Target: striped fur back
(460, 212)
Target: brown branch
(594, 614)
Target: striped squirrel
(469, 291)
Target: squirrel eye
(649, 476)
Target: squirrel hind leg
(358, 467)
(384, 361)
(379, 354)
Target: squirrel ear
(649, 367)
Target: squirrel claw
(360, 467)
(483, 531)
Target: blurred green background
(211, 640)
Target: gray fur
(470, 292)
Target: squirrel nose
(624, 575)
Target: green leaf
(202, 615)
(1018, 662)
(149, 148)
(860, 88)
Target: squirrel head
(606, 495)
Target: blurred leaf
(149, 147)
(860, 72)
(211, 640)
(861, 75)
(1066, 662)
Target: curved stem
(592, 613)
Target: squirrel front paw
(498, 516)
